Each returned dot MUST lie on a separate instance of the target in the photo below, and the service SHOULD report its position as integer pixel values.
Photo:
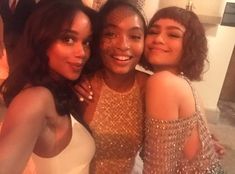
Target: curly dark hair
(30, 66)
(95, 62)
(194, 41)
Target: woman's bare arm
(22, 124)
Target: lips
(76, 66)
(122, 58)
(158, 49)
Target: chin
(123, 71)
(73, 77)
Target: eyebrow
(107, 25)
(171, 27)
(69, 31)
(66, 31)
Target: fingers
(219, 148)
(84, 94)
(84, 90)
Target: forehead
(80, 19)
(122, 14)
(81, 25)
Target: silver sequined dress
(168, 138)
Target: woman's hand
(84, 90)
(219, 148)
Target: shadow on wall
(228, 90)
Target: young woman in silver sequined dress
(177, 139)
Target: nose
(80, 50)
(123, 42)
(159, 38)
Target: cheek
(179, 49)
(55, 63)
(105, 49)
(138, 50)
(51, 54)
(106, 45)
(88, 53)
(147, 40)
(147, 44)
(55, 58)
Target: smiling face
(164, 44)
(122, 40)
(68, 54)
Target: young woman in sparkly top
(115, 116)
(177, 139)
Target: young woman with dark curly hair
(177, 139)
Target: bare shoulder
(162, 80)
(165, 90)
(167, 80)
(32, 101)
(34, 94)
(163, 85)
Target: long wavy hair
(95, 62)
(194, 42)
(30, 59)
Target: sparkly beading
(168, 138)
(117, 128)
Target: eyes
(135, 36)
(170, 33)
(70, 39)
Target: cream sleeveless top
(74, 159)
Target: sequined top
(168, 138)
(117, 128)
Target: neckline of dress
(113, 90)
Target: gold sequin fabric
(117, 128)
(164, 145)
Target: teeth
(122, 58)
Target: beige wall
(221, 41)
(151, 6)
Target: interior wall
(151, 6)
(220, 44)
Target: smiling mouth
(159, 49)
(76, 66)
(122, 58)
